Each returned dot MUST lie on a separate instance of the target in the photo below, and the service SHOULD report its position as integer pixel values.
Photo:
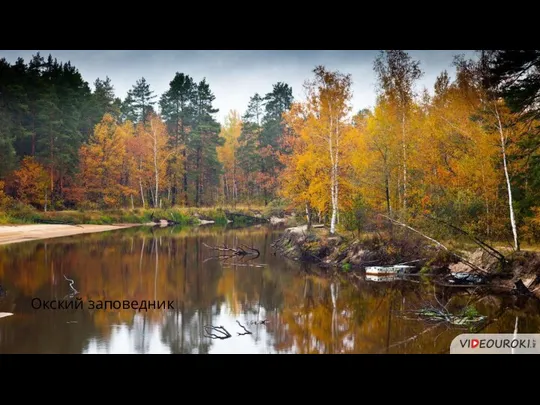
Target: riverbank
(24, 233)
(241, 216)
(516, 272)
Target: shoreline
(516, 272)
(24, 233)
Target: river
(266, 304)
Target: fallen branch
(238, 251)
(484, 246)
(252, 249)
(243, 265)
(221, 332)
(462, 259)
(247, 332)
(74, 292)
(412, 261)
(224, 248)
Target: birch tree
(155, 154)
(397, 73)
(158, 139)
(329, 96)
(494, 105)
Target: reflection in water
(286, 309)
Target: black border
(271, 376)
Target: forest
(465, 152)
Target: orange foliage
(31, 182)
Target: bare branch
(221, 332)
(247, 332)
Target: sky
(236, 75)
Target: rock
(466, 278)
(276, 220)
(204, 222)
(479, 258)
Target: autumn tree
(228, 156)
(303, 173)
(324, 123)
(153, 153)
(104, 164)
(32, 182)
(515, 75)
(397, 73)
(157, 134)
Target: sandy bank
(24, 233)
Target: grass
(24, 214)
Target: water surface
(286, 309)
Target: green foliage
(354, 219)
(470, 312)
(275, 208)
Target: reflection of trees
(307, 314)
(116, 266)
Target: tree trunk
(387, 190)
(508, 185)
(198, 182)
(404, 148)
(142, 193)
(333, 178)
(308, 216)
(185, 178)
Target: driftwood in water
(241, 250)
(436, 242)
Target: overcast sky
(234, 76)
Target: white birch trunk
(508, 185)
(142, 192)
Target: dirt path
(24, 233)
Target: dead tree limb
(484, 246)
(252, 249)
(462, 259)
(247, 332)
(221, 249)
(221, 332)
(241, 250)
